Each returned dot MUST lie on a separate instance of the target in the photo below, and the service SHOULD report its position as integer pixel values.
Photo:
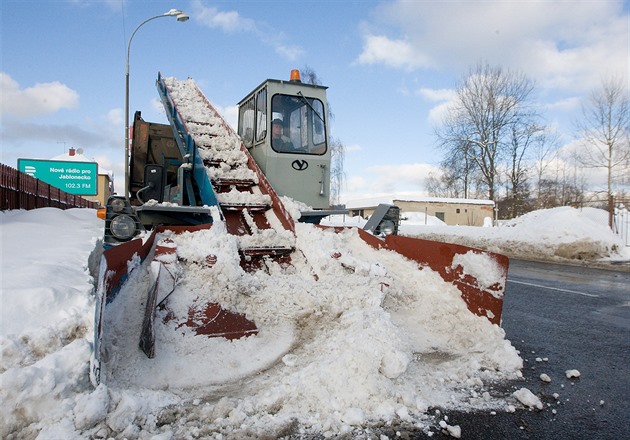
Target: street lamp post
(172, 13)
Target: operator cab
(283, 124)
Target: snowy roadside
(348, 369)
(560, 235)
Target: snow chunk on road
(453, 431)
(527, 398)
(572, 374)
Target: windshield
(297, 125)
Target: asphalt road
(578, 318)
(564, 318)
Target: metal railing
(20, 191)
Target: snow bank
(47, 314)
(558, 234)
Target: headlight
(117, 205)
(384, 220)
(123, 227)
(387, 227)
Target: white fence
(621, 224)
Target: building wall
(103, 188)
(451, 212)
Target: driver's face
(277, 130)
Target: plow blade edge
(465, 267)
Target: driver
(279, 142)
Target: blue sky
(390, 66)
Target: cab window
(261, 115)
(297, 125)
(246, 121)
(252, 120)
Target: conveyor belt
(249, 205)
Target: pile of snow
(46, 316)
(557, 234)
(349, 336)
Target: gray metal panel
(380, 214)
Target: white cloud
(353, 148)
(289, 52)
(443, 99)
(567, 45)
(229, 21)
(40, 99)
(436, 95)
(157, 106)
(232, 21)
(567, 104)
(355, 183)
(115, 117)
(400, 177)
(230, 114)
(393, 53)
(438, 113)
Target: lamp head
(182, 17)
(173, 12)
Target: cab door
(298, 164)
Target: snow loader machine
(197, 173)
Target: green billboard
(80, 178)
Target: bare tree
(604, 130)
(433, 186)
(458, 170)
(309, 76)
(562, 185)
(337, 174)
(543, 152)
(489, 103)
(523, 136)
(445, 184)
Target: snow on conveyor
(215, 140)
(218, 145)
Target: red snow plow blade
(210, 319)
(444, 258)
(216, 322)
